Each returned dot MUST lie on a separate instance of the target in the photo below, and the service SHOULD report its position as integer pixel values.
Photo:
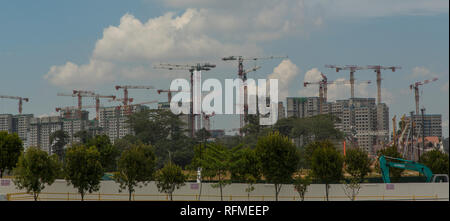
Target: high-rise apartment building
(302, 106)
(41, 129)
(113, 121)
(360, 118)
(6, 123)
(19, 124)
(432, 125)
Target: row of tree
(84, 171)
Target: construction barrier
(46, 196)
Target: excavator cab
(439, 178)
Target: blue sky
(55, 46)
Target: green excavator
(408, 165)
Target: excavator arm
(403, 164)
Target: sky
(53, 46)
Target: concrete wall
(263, 192)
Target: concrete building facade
(6, 123)
(432, 125)
(360, 118)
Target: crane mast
(377, 69)
(415, 87)
(191, 68)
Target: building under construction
(362, 120)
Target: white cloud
(128, 50)
(208, 30)
(80, 76)
(422, 73)
(285, 72)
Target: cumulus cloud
(80, 75)
(129, 50)
(422, 73)
(285, 72)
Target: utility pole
(423, 131)
(412, 135)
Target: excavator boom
(403, 164)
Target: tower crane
(243, 75)
(97, 99)
(21, 99)
(84, 93)
(415, 87)
(191, 68)
(125, 93)
(80, 94)
(353, 69)
(323, 88)
(377, 69)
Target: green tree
(215, 163)
(316, 128)
(301, 185)
(436, 161)
(197, 163)
(108, 152)
(136, 165)
(151, 126)
(83, 169)
(125, 143)
(394, 173)
(352, 187)
(279, 159)
(10, 148)
(58, 141)
(245, 166)
(36, 169)
(169, 178)
(326, 165)
(308, 150)
(357, 163)
(84, 136)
